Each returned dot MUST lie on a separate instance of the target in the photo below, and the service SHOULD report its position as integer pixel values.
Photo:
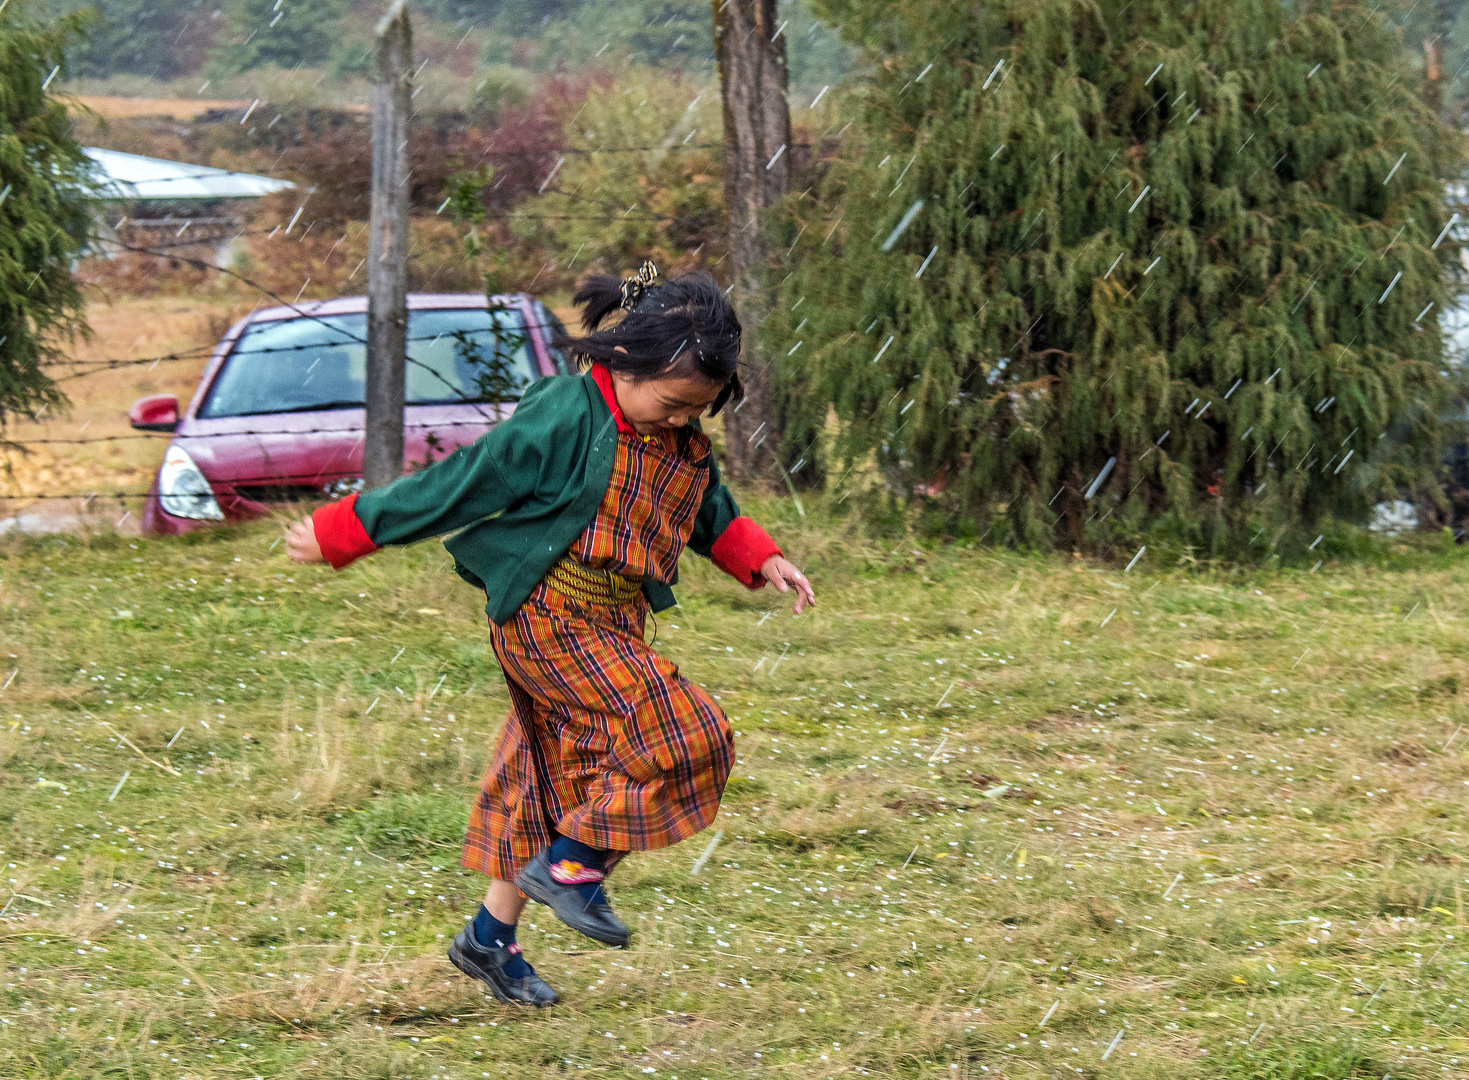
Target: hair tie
(634, 287)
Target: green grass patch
(990, 813)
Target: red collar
(603, 378)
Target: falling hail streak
(1452, 220)
(940, 702)
(1394, 169)
(926, 261)
(708, 851)
(1390, 284)
(126, 773)
(902, 226)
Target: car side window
(552, 330)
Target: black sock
(491, 932)
(564, 847)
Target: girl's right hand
(301, 543)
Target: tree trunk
(757, 136)
(1432, 86)
(387, 251)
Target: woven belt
(577, 581)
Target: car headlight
(182, 489)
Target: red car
(278, 415)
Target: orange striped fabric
(648, 512)
(606, 742)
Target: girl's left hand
(782, 574)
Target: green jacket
(520, 496)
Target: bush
(1107, 274)
(665, 201)
(161, 39)
(279, 33)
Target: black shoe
(596, 921)
(488, 965)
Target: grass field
(993, 816)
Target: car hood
(319, 446)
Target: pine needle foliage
(45, 209)
(275, 32)
(1193, 240)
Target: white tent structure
(172, 204)
(133, 177)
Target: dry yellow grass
(116, 108)
(115, 458)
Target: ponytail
(598, 297)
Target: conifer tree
(155, 38)
(280, 33)
(1115, 272)
(45, 210)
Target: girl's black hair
(681, 327)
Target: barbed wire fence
(172, 250)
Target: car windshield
(304, 364)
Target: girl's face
(655, 405)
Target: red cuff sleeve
(340, 534)
(742, 549)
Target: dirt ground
(108, 457)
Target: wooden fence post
(387, 250)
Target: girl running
(596, 484)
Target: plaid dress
(605, 742)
